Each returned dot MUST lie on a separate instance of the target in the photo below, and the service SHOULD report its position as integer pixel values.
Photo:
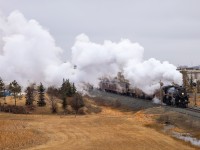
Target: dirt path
(107, 131)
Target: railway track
(133, 103)
(193, 109)
(138, 104)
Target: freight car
(120, 85)
(114, 86)
(175, 96)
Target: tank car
(175, 96)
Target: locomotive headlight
(182, 93)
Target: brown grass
(177, 122)
(15, 134)
(110, 129)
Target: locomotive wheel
(168, 101)
(164, 99)
(186, 105)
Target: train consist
(173, 95)
(120, 85)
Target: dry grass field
(16, 134)
(111, 129)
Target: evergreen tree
(68, 88)
(63, 94)
(62, 90)
(15, 89)
(2, 89)
(29, 95)
(2, 86)
(41, 102)
(73, 89)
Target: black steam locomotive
(175, 96)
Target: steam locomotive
(175, 96)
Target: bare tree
(77, 102)
(53, 93)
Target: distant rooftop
(188, 68)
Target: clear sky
(168, 30)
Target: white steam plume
(29, 53)
(147, 74)
(28, 49)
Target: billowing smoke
(28, 53)
(148, 74)
(156, 100)
(27, 49)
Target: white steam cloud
(28, 53)
(27, 50)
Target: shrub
(14, 109)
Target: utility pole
(195, 96)
(4, 94)
(195, 93)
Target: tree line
(67, 89)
